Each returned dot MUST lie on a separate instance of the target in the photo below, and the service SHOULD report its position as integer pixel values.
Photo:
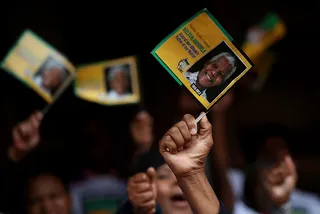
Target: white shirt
(99, 187)
(113, 95)
(38, 80)
(299, 200)
(192, 78)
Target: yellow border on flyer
(181, 80)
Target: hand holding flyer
(201, 56)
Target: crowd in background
(114, 160)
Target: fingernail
(193, 131)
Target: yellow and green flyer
(112, 82)
(49, 73)
(259, 39)
(39, 66)
(262, 36)
(203, 57)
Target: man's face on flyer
(120, 82)
(214, 72)
(52, 78)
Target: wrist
(192, 175)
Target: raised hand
(184, 149)
(25, 136)
(280, 181)
(142, 192)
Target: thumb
(204, 125)
(151, 172)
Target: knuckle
(174, 129)
(181, 124)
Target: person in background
(24, 138)
(104, 189)
(178, 184)
(118, 79)
(45, 192)
(270, 182)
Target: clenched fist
(184, 148)
(280, 181)
(25, 136)
(142, 192)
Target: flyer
(263, 35)
(48, 72)
(201, 56)
(259, 39)
(111, 82)
(39, 66)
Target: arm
(185, 151)
(25, 137)
(199, 193)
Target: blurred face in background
(52, 78)
(275, 174)
(120, 82)
(46, 194)
(169, 195)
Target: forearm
(199, 193)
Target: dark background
(92, 31)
